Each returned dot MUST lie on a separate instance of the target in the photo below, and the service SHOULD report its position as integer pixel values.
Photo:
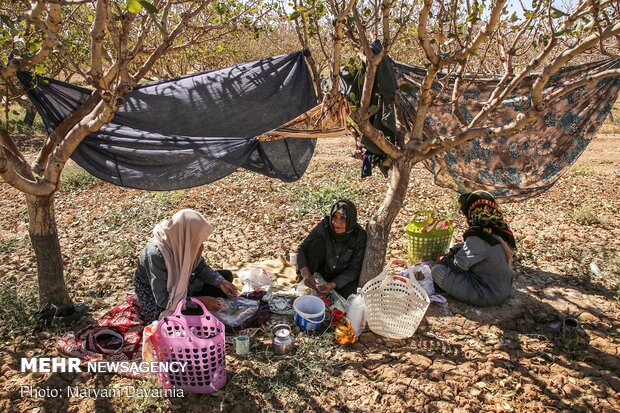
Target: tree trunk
(44, 238)
(381, 223)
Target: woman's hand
(326, 288)
(212, 303)
(442, 257)
(228, 288)
(308, 278)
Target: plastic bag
(356, 312)
(422, 274)
(255, 279)
(236, 311)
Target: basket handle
(172, 320)
(407, 281)
(179, 310)
(179, 317)
(439, 221)
(387, 277)
(422, 218)
(110, 332)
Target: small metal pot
(283, 340)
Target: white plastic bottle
(356, 312)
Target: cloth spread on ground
(283, 271)
(117, 336)
(511, 167)
(195, 129)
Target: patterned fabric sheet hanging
(520, 165)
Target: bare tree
(458, 37)
(125, 41)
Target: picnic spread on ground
(183, 311)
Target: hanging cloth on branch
(327, 120)
(195, 129)
(520, 165)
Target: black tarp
(195, 129)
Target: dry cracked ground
(461, 359)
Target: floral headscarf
(485, 218)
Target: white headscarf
(180, 240)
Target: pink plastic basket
(197, 340)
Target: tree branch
(376, 136)
(61, 131)
(423, 33)
(562, 59)
(10, 167)
(99, 116)
(167, 41)
(338, 37)
(47, 46)
(482, 35)
(96, 45)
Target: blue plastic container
(309, 312)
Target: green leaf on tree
(562, 33)
(33, 46)
(294, 15)
(557, 13)
(133, 6)
(7, 21)
(39, 69)
(159, 26)
(149, 7)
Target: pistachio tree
(111, 47)
(459, 37)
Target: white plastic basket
(396, 304)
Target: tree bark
(44, 238)
(379, 227)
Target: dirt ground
(462, 358)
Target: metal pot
(283, 340)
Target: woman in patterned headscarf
(171, 267)
(479, 271)
(335, 249)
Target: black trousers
(213, 291)
(315, 256)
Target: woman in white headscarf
(171, 267)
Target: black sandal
(43, 318)
(67, 314)
(54, 315)
(566, 326)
